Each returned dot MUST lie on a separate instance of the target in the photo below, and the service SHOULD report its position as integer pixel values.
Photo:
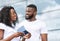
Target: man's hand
(27, 36)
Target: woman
(8, 19)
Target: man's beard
(28, 17)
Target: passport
(22, 29)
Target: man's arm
(23, 39)
(44, 37)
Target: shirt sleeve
(44, 28)
(2, 26)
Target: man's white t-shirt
(8, 31)
(36, 28)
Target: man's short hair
(32, 6)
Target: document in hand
(22, 29)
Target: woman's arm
(10, 37)
(17, 34)
(1, 34)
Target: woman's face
(13, 15)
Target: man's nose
(26, 12)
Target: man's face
(29, 13)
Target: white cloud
(30, 2)
(52, 8)
(0, 8)
(20, 17)
(52, 17)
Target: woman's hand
(17, 34)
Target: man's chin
(26, 18)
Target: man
(37, 28)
